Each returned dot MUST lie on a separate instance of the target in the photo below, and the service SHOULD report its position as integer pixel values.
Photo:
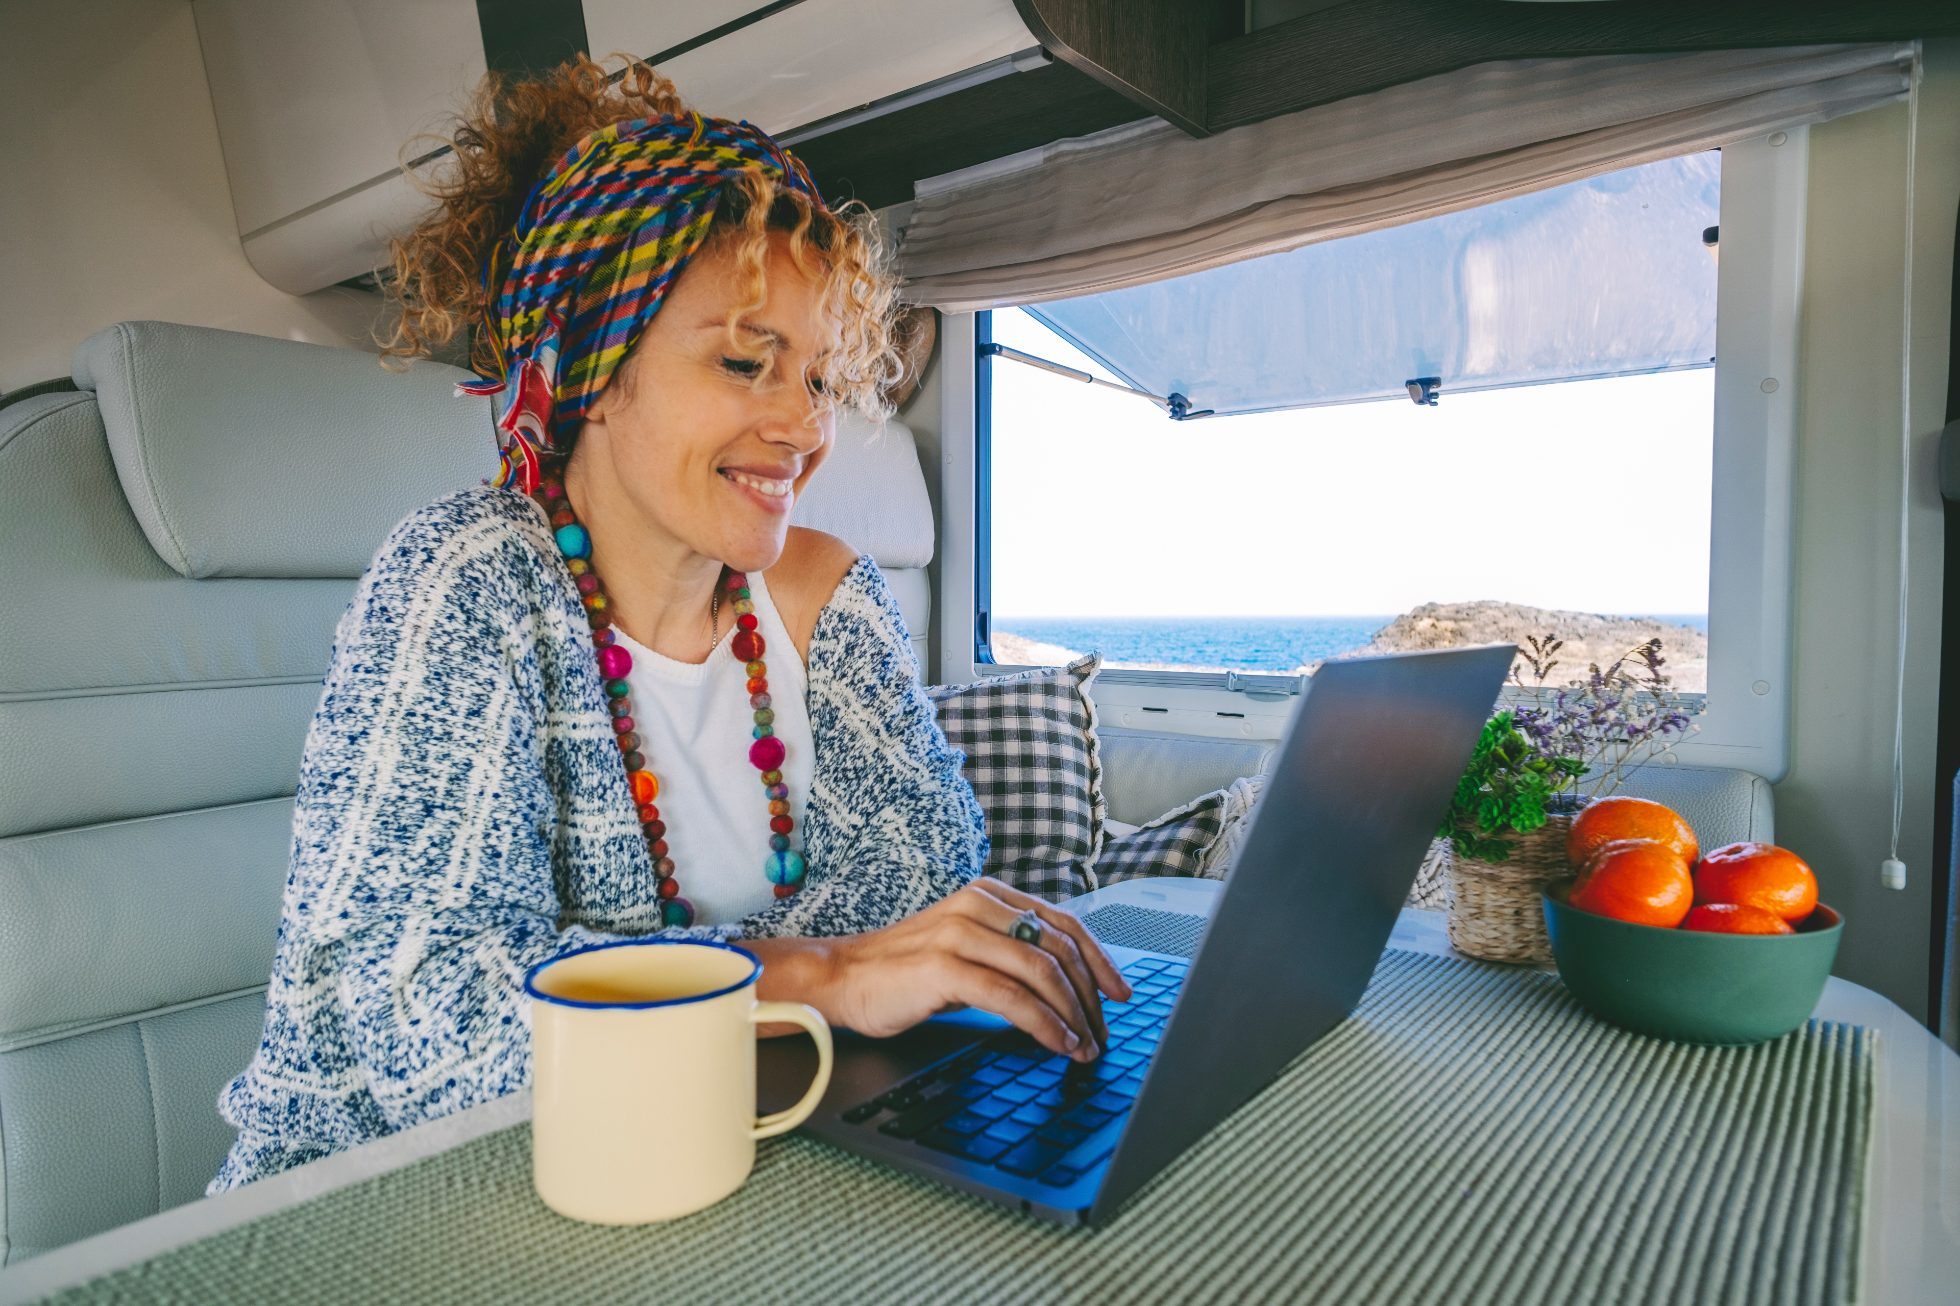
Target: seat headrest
(871, 493)
(244, 455)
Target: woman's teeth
(774, 489)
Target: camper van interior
(1364, 705)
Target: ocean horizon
(1239, 643)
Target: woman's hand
(959, 953)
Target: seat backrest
(871, 492)
(177, 540)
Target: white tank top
(695, 726)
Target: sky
(1590, 495)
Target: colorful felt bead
(657, 850)
(757, 685)
(553, 490)
(563, 518)
(604, 639)
(786, 890)
(578, 566)
(759, 701)
(778, 791)
(784, 867)
(743, 608)
(669, 887)
(588, 583)
(677, 912)
(636, 760)
(772, 776)
(781, 824)
(778, 807)
(665, 865)
(573, 541)
(628, 743)
(623, 724)
(648, 812)
(619, 707)
(646, 786)
(656, 828)
(615, 662)
(778, 842)
(765, 716)
(745, 622)
(758, 668)
(617, 689)
(767, 753)
(762, 732)
(747, 645)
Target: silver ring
(1027, 927)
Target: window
(1630, 483)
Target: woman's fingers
(1039, 971)
(1108, 978)
(1060, 945)
(993, 990)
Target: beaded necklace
(784, 866)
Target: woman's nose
(801, 424)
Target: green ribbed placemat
(1470, 1135)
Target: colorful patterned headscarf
(595, 248)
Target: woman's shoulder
(483, 543)
(814, 567)
(469, 524)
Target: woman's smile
(773, 489)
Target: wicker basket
(1494, 911)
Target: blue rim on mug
(531, 975)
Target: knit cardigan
(462, 815)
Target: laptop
(1283, 949)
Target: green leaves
(1507, 789)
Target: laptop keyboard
(1011, 1103)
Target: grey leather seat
(179, 538)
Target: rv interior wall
(116, 204)
(1836, 802)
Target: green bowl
(1691, 986)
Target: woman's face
(699, 445)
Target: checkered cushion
(1032, 759)
(1196, 839)
(1175, 843)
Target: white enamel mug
(643, 1070)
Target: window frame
(1745, 723)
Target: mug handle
(795, 1013)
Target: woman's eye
(746, 368)
(818, 388)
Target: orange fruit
(1636, 880)
(1758, 875)
(1734, 918)
(1607, 820)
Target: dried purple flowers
(1612, 721)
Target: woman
(617, 693)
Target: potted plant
(1538, 762)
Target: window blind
(1144, 202)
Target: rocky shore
(1588, 638)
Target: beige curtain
(1144, 202)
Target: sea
(1238, 643)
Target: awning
(1603, 277)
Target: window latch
(1262, 688)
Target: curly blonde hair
(510, 132)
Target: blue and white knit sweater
(462, 815)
